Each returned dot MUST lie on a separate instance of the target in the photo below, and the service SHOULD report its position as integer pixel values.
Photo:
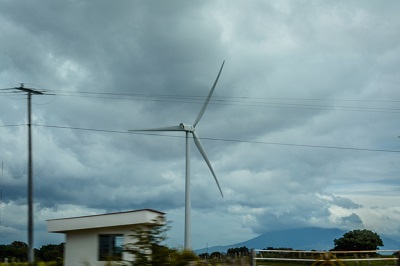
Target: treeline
(239, 252)
(18, 251)
(230, 253)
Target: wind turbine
(190, 129)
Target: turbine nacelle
(184, 127)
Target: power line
(265, 102)
(226, 140)
(110, 95)
(215, 139)
(13, 125)
(226, 97)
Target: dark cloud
(296, 131)
(345, 203)
(353, 220)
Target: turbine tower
(190, 129)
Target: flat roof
(133, 217)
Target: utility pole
(29, 92)
(1, 192)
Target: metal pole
(31, 257)
(1, 191)
(188, 240)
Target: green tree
(216, 255)
(146, 246)
(358, 240)
(238, 252)
(50, 252)
(18, 250)
(182, 257)
(148, 250)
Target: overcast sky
(302, 129)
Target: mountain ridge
(307, 238)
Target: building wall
(82, 246)
(82, 233)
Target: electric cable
(226, 140)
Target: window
(110, 247)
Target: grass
(50, 263)
(246, 262)
(346, 263)
(364, 263)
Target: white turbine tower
(191, 129)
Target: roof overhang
(127, 218)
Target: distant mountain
(301, 239)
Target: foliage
(50, 252)
(49, 263)
(272, 248)
(358, 240)
(17, 250)
(182, 257)
(216, 255)
(146, 246)
(204, 255)
(148, 250)
(242, 251)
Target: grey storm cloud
(354, 220)
(302, 129)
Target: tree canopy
(241, 251)
(358, 240)
(18, 250)
(148, 249)
(146, 245)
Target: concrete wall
(82, 233)
(82, 246)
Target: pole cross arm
(28, 90)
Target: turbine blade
(208, 97)
(173, 128)
(203, 153)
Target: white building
(93, 240)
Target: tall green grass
(50, 263)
